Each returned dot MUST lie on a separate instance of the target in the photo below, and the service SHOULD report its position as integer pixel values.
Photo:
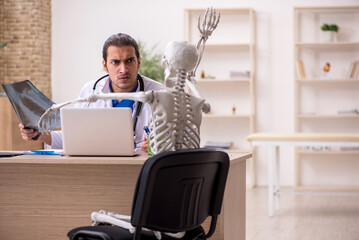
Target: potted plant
(330, 32)
(151, 63)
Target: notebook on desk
(97, 131)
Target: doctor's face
(122, 65)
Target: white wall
(80, 27)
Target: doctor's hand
(28, 134)
(144, 146)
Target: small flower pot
(329, 36)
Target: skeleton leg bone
(124, 222)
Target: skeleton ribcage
(185, 131)
(176, 132)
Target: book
(29, 104)
(350, 70)
(356, 74)
(354, 70)
(300, 69)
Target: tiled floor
(302, 217)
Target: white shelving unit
(230, 48)
(320, 96)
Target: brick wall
(26, 26)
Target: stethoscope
(139, 104)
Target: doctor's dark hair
(120, 40)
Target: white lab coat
(104, 87)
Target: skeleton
(176, 115)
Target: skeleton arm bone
(45, 120)
(123, 221)
(118, 220)
(206, 106)
(44, 123)
(206, 30)
(145, 97)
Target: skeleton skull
(175, 52)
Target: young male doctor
(121, 60)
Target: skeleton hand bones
(208, 27)
(44, 123)
(206, 30)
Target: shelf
(329, 116)
(229, 50)
(327, 152)
(318, 100)
(327, 45)
(333, 10)
(222, 10)
(228, 45)
(234, 80)
(325, 81)
(213, 116)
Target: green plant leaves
(151, 63)
(331, 27)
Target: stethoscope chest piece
(139, 104)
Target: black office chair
(175, 192)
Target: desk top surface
(310, 137)
(135, 160)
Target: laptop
(97, 131)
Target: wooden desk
(43, 197)
(275, 140)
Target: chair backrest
(177, 191)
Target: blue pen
(149, 151)
(146, 130)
